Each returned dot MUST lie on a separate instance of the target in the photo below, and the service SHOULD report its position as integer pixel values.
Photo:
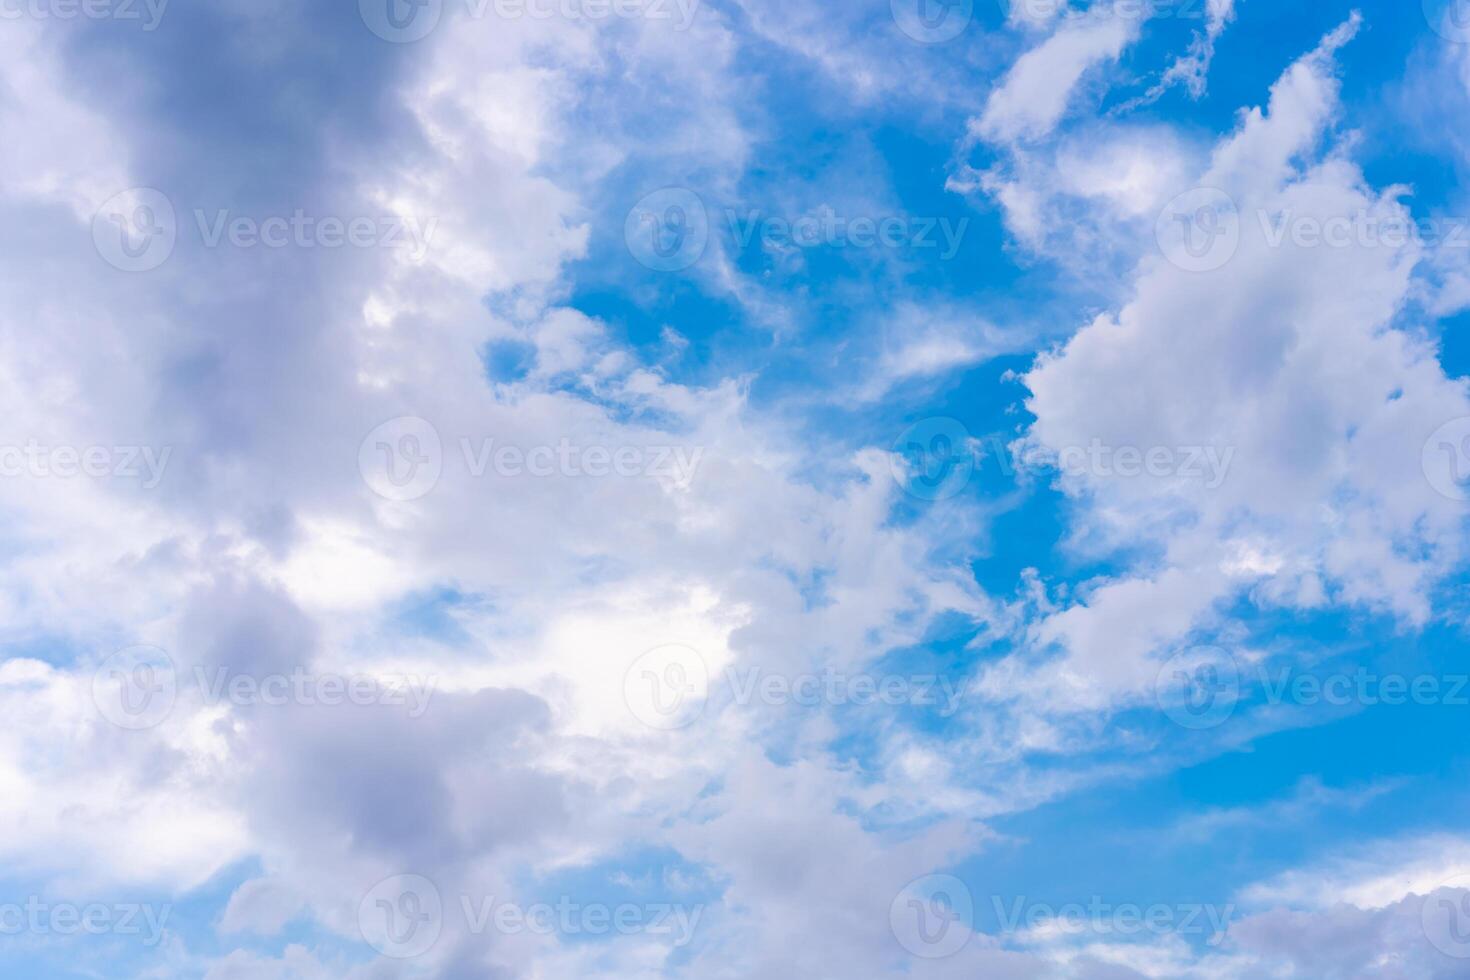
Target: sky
(716, 489)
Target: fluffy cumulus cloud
(408, 574)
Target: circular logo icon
(1446, 459)
(402, 459)
(1199, 231)
(401, 21)
(931, 917)
(1446, 917)
(135, 688)
(668, 230)
(933, 459)
(666, 688)
(1449, 19)
(932, 21)
(135, 230)
(402, 916)
(1198, 688)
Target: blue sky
(726, 488)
